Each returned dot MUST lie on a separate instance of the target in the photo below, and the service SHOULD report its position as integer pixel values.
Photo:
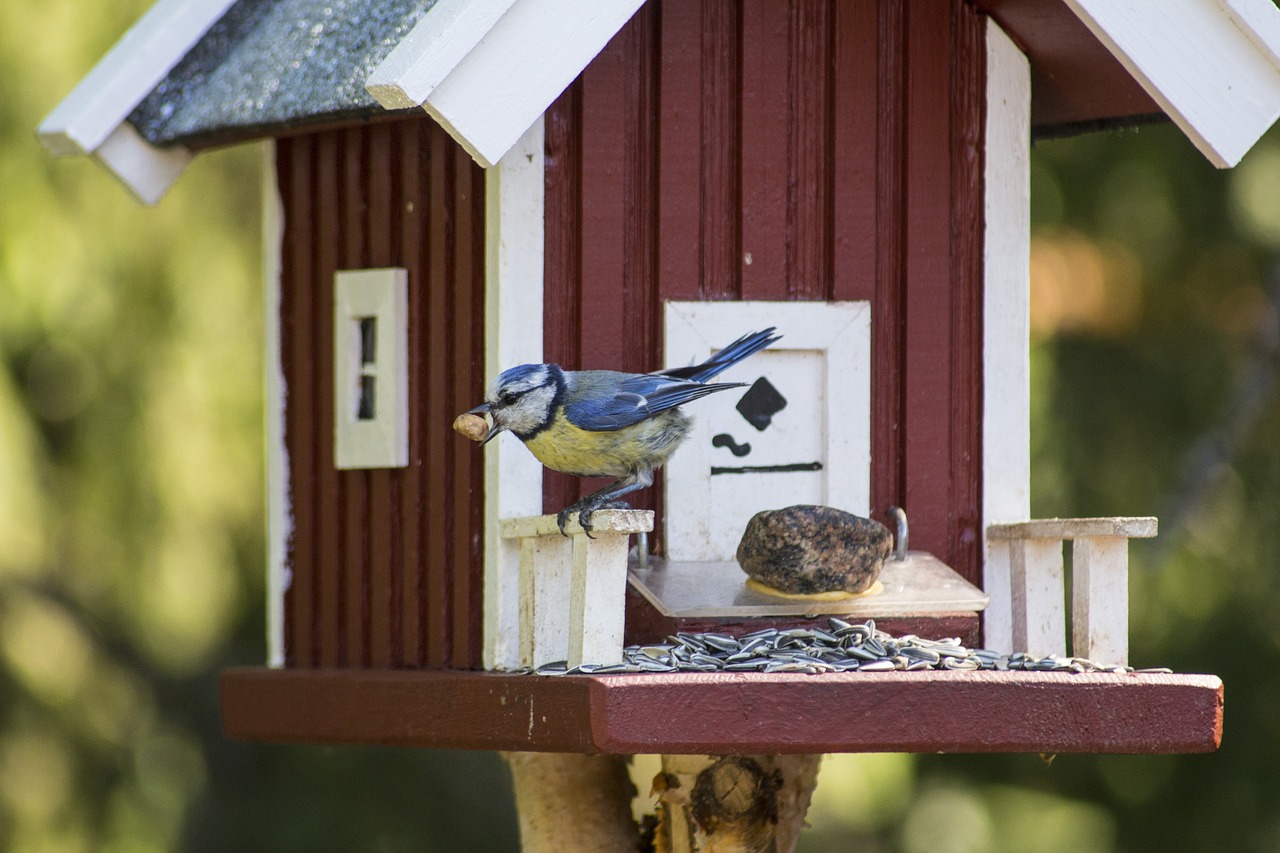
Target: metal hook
(899, 515)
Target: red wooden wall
(386, 564)
(835, 143)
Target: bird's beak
(483, 409)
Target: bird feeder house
(452, 188)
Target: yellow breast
(617, 453)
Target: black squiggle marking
(726, 440)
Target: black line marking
(769, 469)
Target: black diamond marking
(761, 402)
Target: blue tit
(603, 423)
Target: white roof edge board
(127, 74)
(1203, 61)
(145, 170)
(530, 56)
(1260, 21)
(432, 49)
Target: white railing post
(597, 599)
(997, 582)
(1099, 587)
(544, 590)
(1039, 618)
(573, 589)
(1100, 598)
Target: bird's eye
(506, 398)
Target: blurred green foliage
(131, 510)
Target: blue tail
(747, 345)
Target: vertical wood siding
(385, 563)
(788, 149)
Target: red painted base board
(730, 713)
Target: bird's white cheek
(532, 411)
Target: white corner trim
(279, 501)
(1006, 407)
(522, 64)
(1201, 62)
(131, 69)
(145, 170)
(514, 192)
(822, 366)
(432, 49)
(379, 436)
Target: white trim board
(515, 70)
(91, 119)
(822, 367)
(1006, 388)
(127, 74)
(433, 48)
(145, 170)
(279, 499)
(514, 193)
(1210, 64)
(1259, 21)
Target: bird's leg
(606, 498)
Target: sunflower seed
(842, 647)
(720, 642)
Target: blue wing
(745, 346)
(603, 400)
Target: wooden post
(597, 599)
(572, 589)
(1100, 599)
(567, 802)
(544, 590)
(734, 803)
(1039, 617)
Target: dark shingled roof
(269, 65)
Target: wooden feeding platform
(722, 712)
(729, 713)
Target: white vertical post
(545, 577)
(512, 335)
(1039, 617)
(279, 512)
(997, 583)
(1100, 599)
(1006, 417)
(597, 599)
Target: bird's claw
(562, 518)
(584, 518)
(585, 508)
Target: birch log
(733, 804)
(571, 802)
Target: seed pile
(841, 647)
